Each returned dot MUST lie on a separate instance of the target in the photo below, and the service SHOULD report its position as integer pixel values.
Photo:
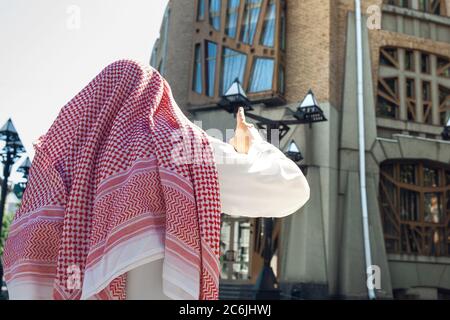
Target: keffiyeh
(110, 189)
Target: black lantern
(234, 98)
(293, 152)
(13, 146)
(309, 110)
(8, 130)
(19, 188)
(25, 167)
(446, 132)
(11, 151)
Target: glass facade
(249, 33)
(197, 80)
(268, 34)
(214, 13)
(232, 18)
(415, 207)
(262, 74)
(201, 10)
(210, 63)
(233, 67)
(250, 20)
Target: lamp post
(446, 132)
(308, 112)
(9, 154)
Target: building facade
(279, 49)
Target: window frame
(414, 236)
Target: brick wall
(308, 49)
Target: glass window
(415, 211)
(408, 173)
(250, 20)
(389, 57)
(418, 86)
(430, 6)
(433, 207)
(268, 34)
(164, 41)
(236, 248)
(234, 63)
(409, 205)
(201, 10)
(444, 104)
(387, 103)
(214, 13)
(211, 57)
(262, 74)
(409, 60)
(232, 18)
(399, 3)
(392, 85)
(197, 81)
(425, 63)
(405, 3)
(282, 33)
(410, 88)
(426, 91)
(423, 5)
(430, 177)
(437, 7)
(443, 67)
(386, 108)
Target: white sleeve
(264, 183)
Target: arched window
(415, 207)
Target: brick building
(281, 48)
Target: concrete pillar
(352, 268)
(434, 90)
(402, 85)
(309, 238)
(418, 84)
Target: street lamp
(293, 152)
(9, 154)
(234, 98)
(446, 132)
(307, 112)
(25, 168)
(20, 187)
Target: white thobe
(262, 183)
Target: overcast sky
(50, 49)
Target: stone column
(352, 268)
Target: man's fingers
(241, 120)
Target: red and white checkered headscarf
(109, 187)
